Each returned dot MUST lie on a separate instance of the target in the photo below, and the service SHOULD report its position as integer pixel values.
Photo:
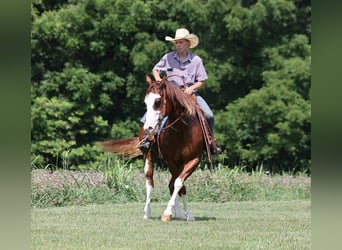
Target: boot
(214, 148)
(145, 144)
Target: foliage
(272, 125)
(89, 58)
(117, 180)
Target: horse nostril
(148, 130)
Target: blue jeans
(206, 110)
(209, 115)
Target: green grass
(229, 225)
(123, 183)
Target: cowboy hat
(184, 34)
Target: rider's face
(182, 45)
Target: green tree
(89, 59)
(272, 125)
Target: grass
(103, 209)
(117, 182)
(229, 225)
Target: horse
(179, 142)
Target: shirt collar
(188, 58)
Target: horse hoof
(145, 217)
(166, 217)
(190, 218)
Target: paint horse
(180, 142)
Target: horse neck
(175, 112)
(174, 107)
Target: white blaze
(152, 115)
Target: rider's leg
(209, 115)
(146, 142)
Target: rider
(186, 70)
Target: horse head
(164, 98)
(156, 104)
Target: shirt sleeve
(201, 74)
(162, 65)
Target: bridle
(163, 114)
(161, 88)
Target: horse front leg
(187, 215)
(148, 169)
(177, 210)
(178, 184)
(188, 169)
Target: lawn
(229, 225)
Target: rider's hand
(188, 90)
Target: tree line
(89, 59)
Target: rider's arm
(156, 75)
(192, 88)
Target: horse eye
(157, 103)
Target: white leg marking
(188, 214)
(146, 166)
(147, 209)
(149, 188)
(178, 212)
(178, 185)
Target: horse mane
(178, 97)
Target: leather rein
(162, 114)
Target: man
(186, 70)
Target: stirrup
(215, 150)
(145, 144)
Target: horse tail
(123, 147)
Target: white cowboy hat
(184, 34)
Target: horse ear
(148, 79)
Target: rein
(173, 123)
(161, 117)
(201, 118)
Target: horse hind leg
(178, 212)
(188, 214)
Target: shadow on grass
(205, 218)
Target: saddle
(207, 134)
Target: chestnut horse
(180, 142)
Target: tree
(272, 125)
(89, 59)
